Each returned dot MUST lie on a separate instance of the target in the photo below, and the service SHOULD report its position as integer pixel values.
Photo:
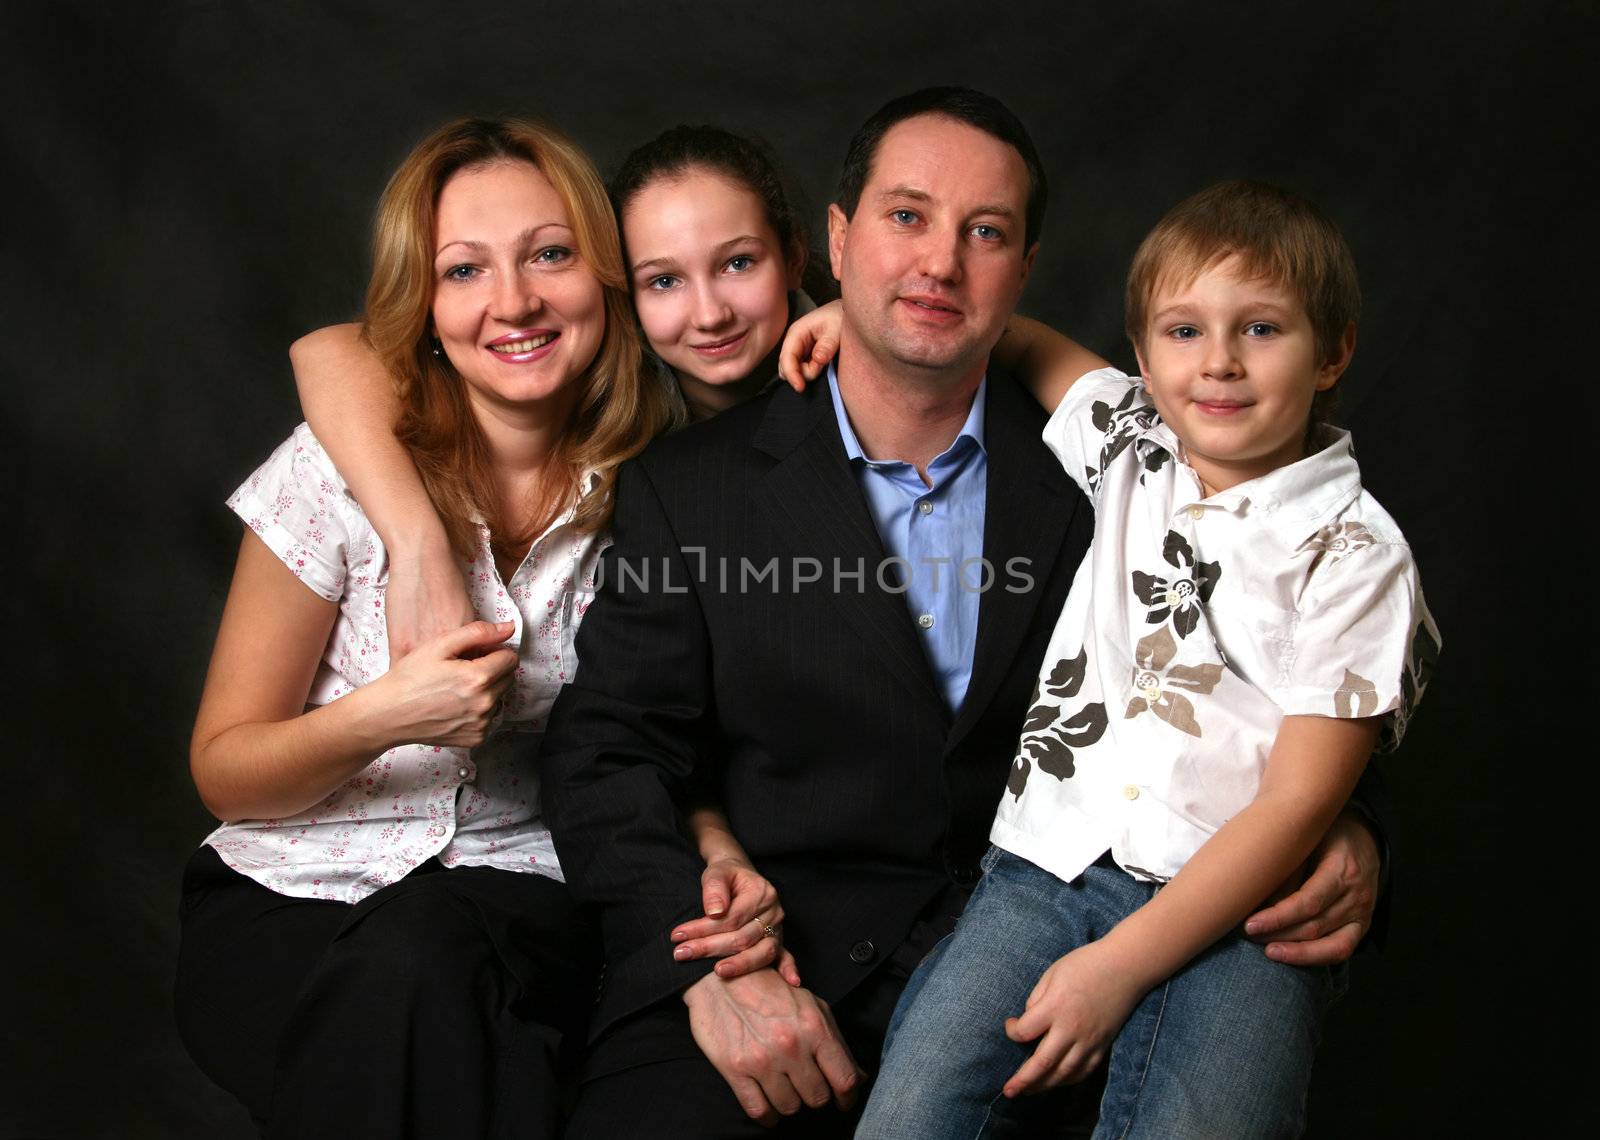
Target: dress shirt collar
(1295, 501)
(971, 430)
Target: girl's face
(710, 281)
(515, 308)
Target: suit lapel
(815, 496)
(1030, 502)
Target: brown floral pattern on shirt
(1181, 596)
(1121, 425)
(1157, 682)
(1338, 539)
(1050, 733)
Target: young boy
(1247, 627)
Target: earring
(438, 348)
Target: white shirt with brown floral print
(474, 807)
(1194, 626)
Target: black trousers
(438, 1006)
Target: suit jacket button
(863, 952)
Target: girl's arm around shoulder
(257, 753)
(349, 402)
(1044, 360)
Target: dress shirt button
(924, 506)
(436, 830)
(1196, 512)
(863, 952)
(925, 621)
(1130, 792)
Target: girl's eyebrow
(742, 239)
(671, 263)
(655, 263)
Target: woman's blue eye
(741, 262)
(661, 281)
(460, 273)
(550, 255)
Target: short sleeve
(1096, 419)
(1364, 644)
(299, 506)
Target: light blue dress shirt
(937, 534)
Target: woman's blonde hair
(620, 406)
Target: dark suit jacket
(809, 707)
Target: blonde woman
(377, 941)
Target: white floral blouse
(477, 807)
(1193, 627)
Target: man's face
(933, 263)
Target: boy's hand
(741, 909)
(1079, 1005)
(812, 341)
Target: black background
(190, 187)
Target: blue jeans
(1223, 1048)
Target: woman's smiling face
(710, 280)
(515, 307)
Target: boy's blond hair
(1278, 236)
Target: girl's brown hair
(619, 407)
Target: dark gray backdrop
(190, 186)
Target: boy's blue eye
(1184, 332)
(904, 217)
(987, 232)
(1260, 328)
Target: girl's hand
(426, 596)
(1078, 1007)
(812, 341)
(448, 690)
(741, 909)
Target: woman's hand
(743, 924)
(1075, 1011)
(448, 690)
(812, 341)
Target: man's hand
(775, 1045)
(1075, 1011)
(1321, 923)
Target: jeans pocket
(990, 858)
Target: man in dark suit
(767, 635)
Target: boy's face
(1232, 366)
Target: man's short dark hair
(965, 105)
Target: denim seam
(1144, 1069)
